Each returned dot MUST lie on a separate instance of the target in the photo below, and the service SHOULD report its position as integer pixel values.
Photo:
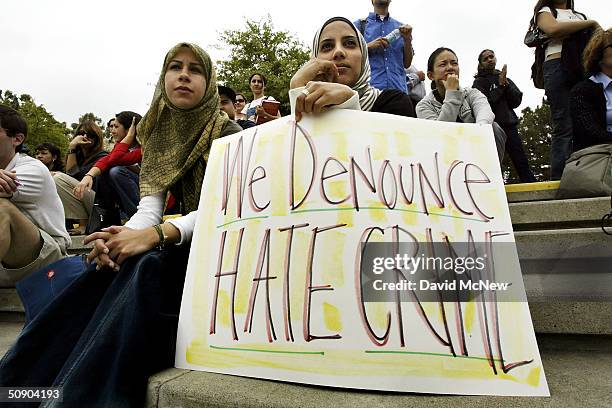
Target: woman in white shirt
(257, 83)
(559, 20)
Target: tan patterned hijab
(176, 142)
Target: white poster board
(274, 288)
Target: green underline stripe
(418, 353)
(353, 209)
(321, 353)
(386, 209)
(242, 219)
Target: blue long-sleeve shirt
(387, 64)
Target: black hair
(434, 55)
(243, 96)
(13, 123)
(227, 91)
(482, 52)
(125, 118)
(58, 164)
(549, 3)
(480, 68)
(109, 122)
(263, 78)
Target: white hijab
(367, 93)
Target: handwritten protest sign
(279, 284)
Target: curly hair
(593, 53)
(58, 165)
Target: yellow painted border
(522, 187)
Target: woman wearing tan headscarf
(176, 134)
(116, 329)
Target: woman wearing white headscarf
(338, 69)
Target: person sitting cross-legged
(84, 150)
(116, 175)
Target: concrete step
(9, 301)
(578, 370)
(78, 247)
(543, 191)
(551, 244)
(568, 264)
(8, 333)
(559, 214)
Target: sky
(84, 56)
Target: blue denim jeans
(125, 183)
(104, 335)
(558, 89)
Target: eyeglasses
(240, 100)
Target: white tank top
(555, 46)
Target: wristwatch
(162, 236)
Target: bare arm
(408, 54)
(555, 29)
(406, 32)
(70, 161)
(131, 134)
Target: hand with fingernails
(8, 182)
(113, 245)
(86, 184)
(131, 133)
(317, 97)
(406, 32)
(318, 77)
(380, 42)
(79, 140)
(315, 70)
(451, 83)
(503, 76)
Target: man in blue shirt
(388, 59)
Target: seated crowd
(160, 159)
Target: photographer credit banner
(279, 283)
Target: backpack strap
(582, 14)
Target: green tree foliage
(87, 116)
(259, 48)
(42, 126)
(535, 129)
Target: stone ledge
(560, 317)
(9, 301)
(559, 214)
(532, 191)
(78, 247)
(557, 242)
(577, 369)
